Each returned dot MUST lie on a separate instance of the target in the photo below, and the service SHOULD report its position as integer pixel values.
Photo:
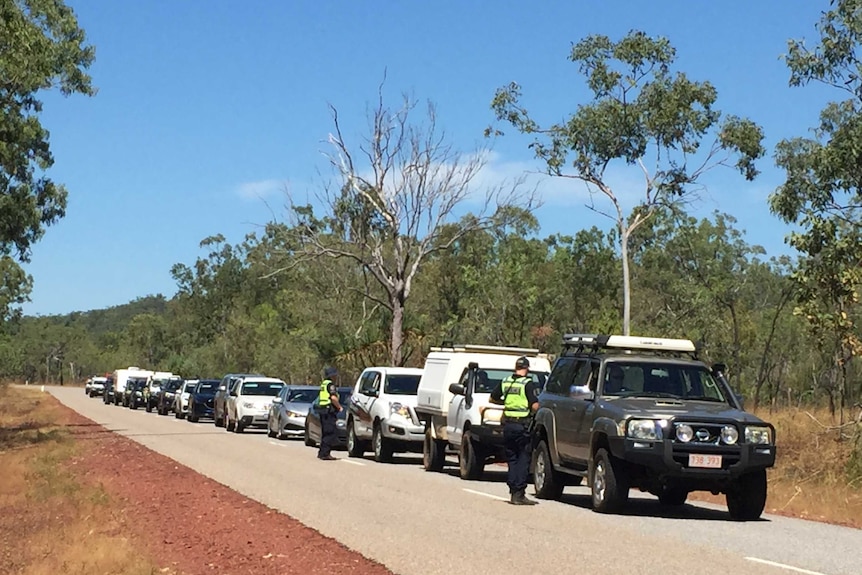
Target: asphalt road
(420, 523)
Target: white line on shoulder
(783, 566)
(497, 497)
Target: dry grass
(50, 522)
(813, 476)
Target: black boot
(520, 498)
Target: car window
(264, 388)
(563, 376)
(401, 384)
(652, 379)
(370, 383)
(488, 379)
(207, 386)
(301, 395)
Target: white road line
(345, 460)
(486, 495)
(783, 566)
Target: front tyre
(610, 488)
(471, 464)
(547, 481)
(354, 446)
(746, 498)
(433, 452)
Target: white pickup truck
(454, 403)
(382, 413)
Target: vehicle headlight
(248, 405)
(684, 433)
(491, 415)
(295, 414)
(398, 409)
(729, 435)
(648, 429)
(340, 423)
(758, 434)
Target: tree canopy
(41, 48)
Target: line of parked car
(619, 412)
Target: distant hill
(113, 319)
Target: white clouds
(259, 190)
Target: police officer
(518, 396)
(328, 409)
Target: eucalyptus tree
(822, 193)
(41, 48)
(642, 117)
(397, 202)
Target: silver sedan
(288, 411)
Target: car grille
(706, 441)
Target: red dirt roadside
(189, 523)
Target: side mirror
(582, 392)
(222, 388)
(276, 400)
(456, 388)
(233, 393)
(373, 393)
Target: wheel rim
(599, 482)
(540, 472)
(351, 439)
(378, 443)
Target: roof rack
(471, 348)
(628, 342)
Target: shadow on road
(649, 507)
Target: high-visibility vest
(515, 394)
(324, 399)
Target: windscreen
(488, 379)
(651, 379)
(207, 386)
(263, 388)
(302, 395)
(402, 384)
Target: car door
(582, 394)
(458, 411)
(566, 408)
(363, 403)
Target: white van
(382, 413)
(453, 402)
(121, 376)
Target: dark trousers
(518, 451)
(328, 433)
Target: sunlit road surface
(419, 523)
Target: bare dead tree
(397, 203)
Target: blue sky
(207, 108)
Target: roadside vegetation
(381, 268)
(51, 521)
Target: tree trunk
(397, 331)
(627, 304)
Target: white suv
(249, 402)
(382, 413)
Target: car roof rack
(630, 342)
(471, 348)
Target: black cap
(522, 363)
(330, 372)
